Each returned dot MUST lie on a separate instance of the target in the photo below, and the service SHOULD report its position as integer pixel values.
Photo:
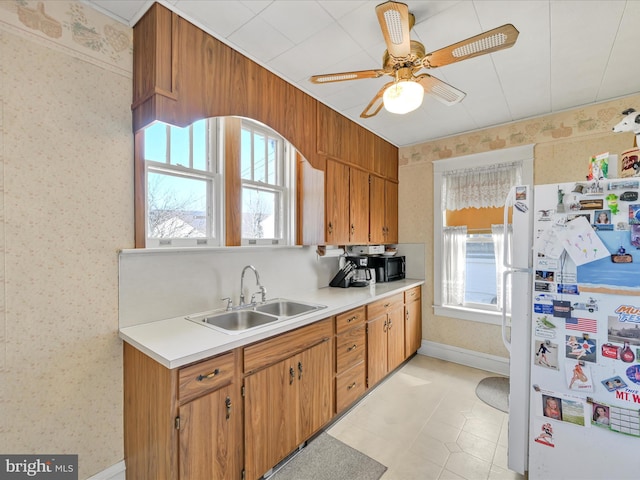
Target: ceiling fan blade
(440, 90)
(341, 77)
(376, 103)
(497, 39)
(394, 18)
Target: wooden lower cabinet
(183, 423)
(413, 320)
(285, 404)
(350, 357)
(205, 422)
(385, 337)
(187, 423)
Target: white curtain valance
(480, 187)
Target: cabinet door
(395, 338)
(377, 210)
(337, 203)
(358, 206)
(413, 327)
(376, 349)
(391, 212)
(209, 434)
(315, 393)
(270, 413)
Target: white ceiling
(569, 53)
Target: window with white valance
(469, 194)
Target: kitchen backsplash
(156, 284)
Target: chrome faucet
(263, 291)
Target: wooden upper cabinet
(391, 211)
(358, 206)
(383, 216)
(332, 134)
(385, 158)
(344, 140)
(377, 210)
(182, 74)
(337, 203)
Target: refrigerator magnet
(579, 377)
(546, 435)
(614, 383)
(633, 374)
(580, 348)
(600, 416)
(562, 308)
(546, 354)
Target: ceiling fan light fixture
(403, 97)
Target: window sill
(470, 314)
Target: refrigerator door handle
(507, 342)
(505, 274)
(508, 202)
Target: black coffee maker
(355, 273)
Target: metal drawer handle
(209, 375)
(351, 386)
(352, 347)
(387, 305)
(352, 319)
(227, 403)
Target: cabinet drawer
(350, 386)
(202, 377)
(349, 319)
(350, 348)
(268, 352)
(412, 294)
(385, 305)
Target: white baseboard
(470, 358)
(111, 472)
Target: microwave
(388, 268)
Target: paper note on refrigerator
(549, 242)
(582, 243)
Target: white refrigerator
(573, 262)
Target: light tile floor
(425, 422)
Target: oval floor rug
(494, 391)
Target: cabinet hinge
(242, 391)
(177, 423)
(243, 474)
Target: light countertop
(175, 342)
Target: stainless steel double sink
(234, 322)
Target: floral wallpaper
(564, 142)
(66, 209)
(582, 122)
(73, 26)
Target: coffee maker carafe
(354, 273)
(361, 273)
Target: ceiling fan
(405, 57)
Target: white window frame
(215, 190)
(285, 173)
(440, 167)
